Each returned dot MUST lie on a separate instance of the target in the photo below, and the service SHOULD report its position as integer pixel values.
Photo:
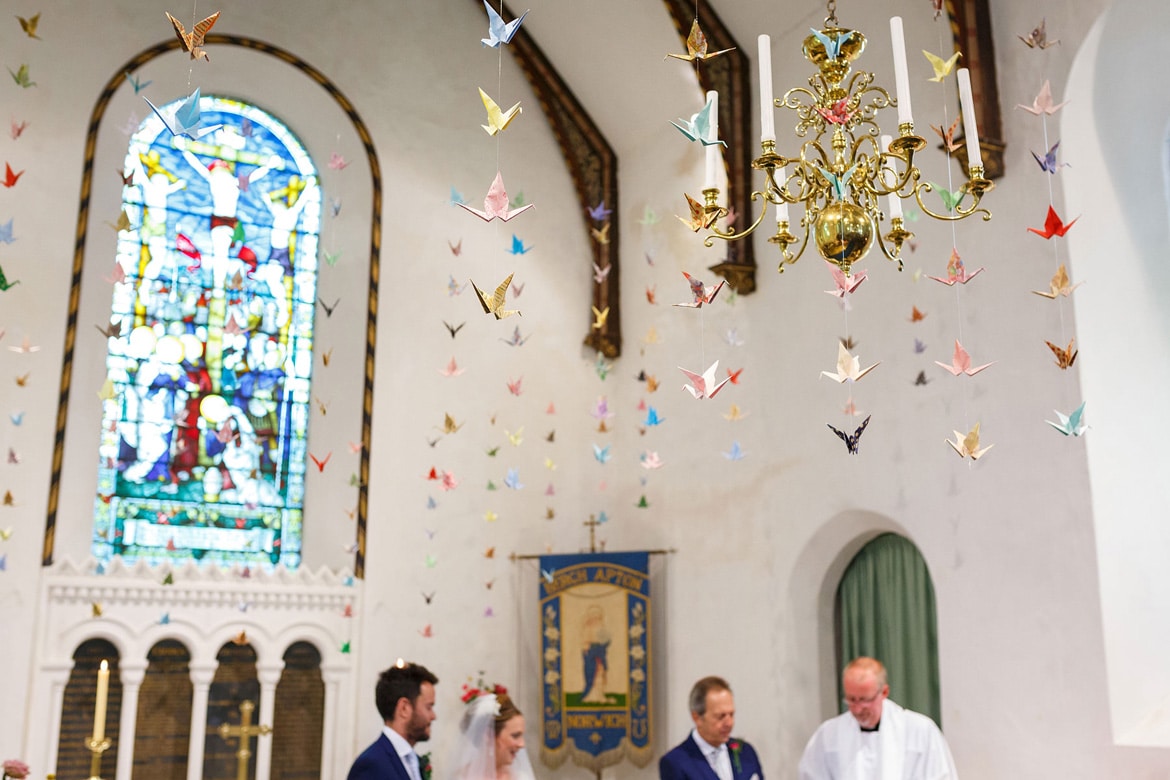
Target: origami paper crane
(21, 77)
(1072, 424)
(512, 479)
(337, 162)
(17, 128)
(704, 385)
(697, 46)
(734, 414)
(453, 330)
(916, 315)
(700, 293)
(649, 218)
(698, 127)
(956, 272)
(601, 454)
(1048, 161)
(699, 218)
(942, 68)
(518, 247)
(650, 460)
(1038, 38)
(599, 213)
(186, 119)
(495, 304)
(448, 423)
(498, 31)
(516, 339)
(29, 25)
(968, 446)
(652, 418)
(950, 198)
(599, 317)
(1053, 226)
(1064, 357)
(846, 283)
(1042, 104)
(735, 453)
(496, 203)
(848, 367)
(851, 441)
(832, 44)
(10, 176)
(919, 346)
(193, 42)
(451, 370)
(948, 135)
(498, 120)
(5, 284)
(838, 181)
(1059, 285)
(961, 363)
(836, 114)
(601, 409)
(601, 234)
(515, 386)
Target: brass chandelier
(842, 173)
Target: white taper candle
(970, 130)
(767, 110)
(99, 710)
(890, 179)
(713, 157)
(901, 72)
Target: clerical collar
(875, 728)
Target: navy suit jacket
(687, 762)
(379, 762)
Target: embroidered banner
(595, 651)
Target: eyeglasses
(854, 701)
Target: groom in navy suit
(710, 752)
(406, 701)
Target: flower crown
(470, 693)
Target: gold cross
(592, 523)
(245, 731)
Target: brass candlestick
(96, 747)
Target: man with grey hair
(710, 750)
(876, 739)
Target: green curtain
(885, 610)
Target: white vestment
(906, 746)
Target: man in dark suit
(406, 701)
(710, 752)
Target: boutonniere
(735, 747)
(424, 766)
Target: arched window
(885, 609)
(207, 399)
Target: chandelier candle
(901, 73)
(713, 156)
(767, 109)
(970, 131)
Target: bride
(491, 745)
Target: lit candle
(99, 710)
(767, 119)
(782, 209)
(901, 73)
(970, 131)
(713, 157)
(891, 180)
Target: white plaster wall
(1120, 314)
(1010, 540)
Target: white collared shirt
(404, 750)
(718, 757)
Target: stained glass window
(206, 408)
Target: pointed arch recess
(592, 164)
(95, 119)
(730, 75)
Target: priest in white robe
(876, 739)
